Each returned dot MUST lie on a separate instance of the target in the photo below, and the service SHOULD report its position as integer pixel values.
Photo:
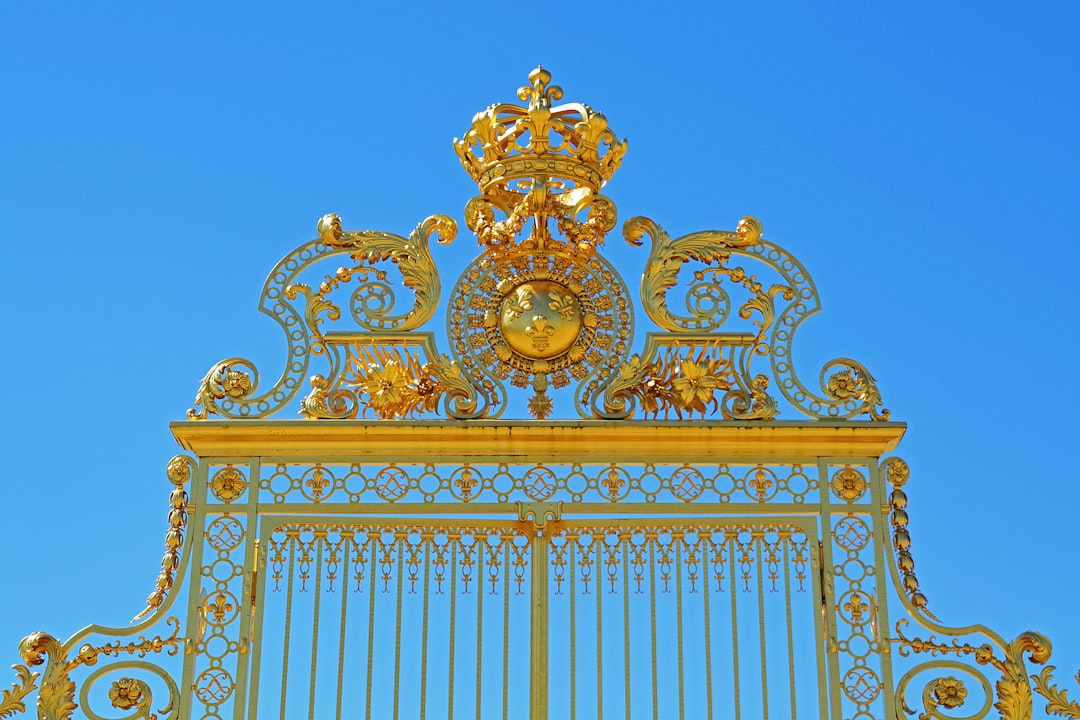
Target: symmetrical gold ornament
(541, 308)
(848, 484)
(228, 484)
(369, 495)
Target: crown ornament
(543, 162)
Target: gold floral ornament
(225, 381)
(848, 484)
(949, 692)
(678, 382)
(228, 484)
(854, 383)
(842, 384)
(126, 693)
(394, 384)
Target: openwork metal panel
(393, 620)
(406, 523)
(684, 619)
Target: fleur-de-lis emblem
(317, 483)
(562, 304)
(761, 483)
(540, 331)
(856, 607)
(613, 482)
(521, 302)
(220, 607)
(466, 483)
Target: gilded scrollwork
(1012, 691)
(412, 257)
(227, 381)
(852, 384)
(668, 256)
(325, 403)
(179, 471)
(56, 698)
(130, 692)
(943, 693)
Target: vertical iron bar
(677, 539)
(571, 540)
(539, 639)
(506, 540)
(374, 539)
(481, 544)
(400, 538)
(625, 542)
(319, 540)
(599, 627)
(652, 621)
(734, 621)
(453, 539)
(758, 542)
(346, 542)
(292, 539)
(787, 608)
(427, 539)
(705, 539)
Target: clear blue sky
(919, 158)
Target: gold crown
(570, 143)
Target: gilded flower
(236, 384)
(125, 693)
(843, 384)
(384, 385)
(694, 384)
(428, 391)
(652, 394)
(949, 692)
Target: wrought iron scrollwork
(411, 255)
(847, 387)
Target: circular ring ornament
(225, 534)
(861, 684)
(851, 533)
(848, 484)
(526, 313)
(228, 484)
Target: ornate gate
(709, 537)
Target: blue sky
(919, 158)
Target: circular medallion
(228, 484)
(540, 319)
(848, 484)
(522, 314)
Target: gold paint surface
(579, 440)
